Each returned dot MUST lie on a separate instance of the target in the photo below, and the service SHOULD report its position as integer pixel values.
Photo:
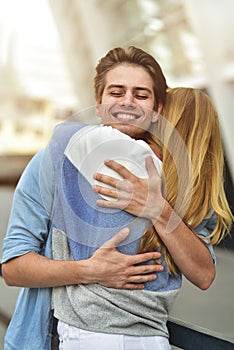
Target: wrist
(82, 271)
(160, 211)
(168, 220)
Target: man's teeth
(125, 116)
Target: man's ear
(98, 110)
(160, 108)
(156, 114)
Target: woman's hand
(143, 197)
(138, 196)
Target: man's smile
(125, 116)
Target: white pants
(72, 338)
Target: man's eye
(141, 97)
(116, 93)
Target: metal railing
(192, 337)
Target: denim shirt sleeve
(204, 230)
(29, 221)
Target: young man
(133, 81)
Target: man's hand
(117, 270)
(107, 267)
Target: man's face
(128, 100)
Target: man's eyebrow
(137, 88)
(111, 86)
(143, 89)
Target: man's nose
(128, 99)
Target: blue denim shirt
(31, 324)
(30, 327)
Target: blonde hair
(193, 162)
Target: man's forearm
(33, 270)
(107, 267)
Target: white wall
(213, 23)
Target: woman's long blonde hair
(193, 163)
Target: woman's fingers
(106, 191)
(106, 179)
(112, 204)
(135, 195)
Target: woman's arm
(143, 197)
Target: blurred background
(48, 53)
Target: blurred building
(47, 67)
(53, 57)
(35, 87)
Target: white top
(92, 145)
